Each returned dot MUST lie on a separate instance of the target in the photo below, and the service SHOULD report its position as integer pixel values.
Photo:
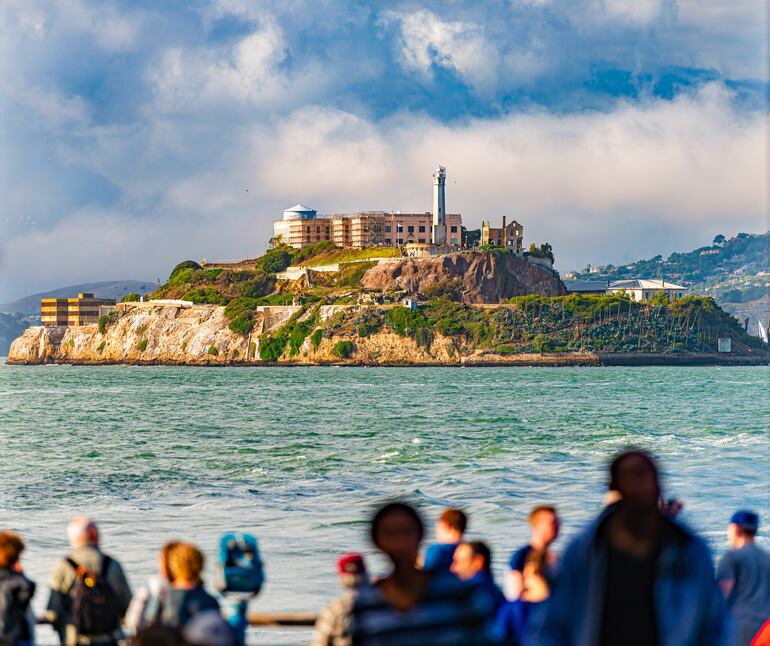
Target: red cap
(351, 564)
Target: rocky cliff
(479, 277)
(147, 335)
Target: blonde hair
(185, 562)
(11, 547)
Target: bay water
(302, 456)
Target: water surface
(301, 456)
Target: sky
(139, 134)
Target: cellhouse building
(302, 226)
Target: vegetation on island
(722, 268)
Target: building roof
(586, 285)
(298, 211)
(641, 283)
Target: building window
(387, 228)
(388, 241)
(318, 229)
(421, 240)
(400, 227)
(454, 241)
(410, 229)
(307, 229)
(422, 228)
(400, 241)
(453, 229)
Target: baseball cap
(351, 564)
(745, 519)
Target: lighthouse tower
(438, 236)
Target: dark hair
(480, 548)
(454, 518)
(395, 508)
(157, 635)
(11, 547)
(618, 460)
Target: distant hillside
(735, 271)
(726, 264)
(11, 326)
(116, 289)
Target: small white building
(640, 289)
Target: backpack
(240, 563)
(94, 607)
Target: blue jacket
(689, 606)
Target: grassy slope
(348, 255)
(536, 324)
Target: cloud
(426, 40)
(160, 132)
(246, 73)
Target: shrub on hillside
(132, 297)
(343, 349)
(185, 264)
(404, 321)
(205, 295)
(276, 259)
(107, 320)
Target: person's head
(157, 635)
(634, 475)
(743, 527)
(163, 560)
(351, 570)
(82, 531)
(470, 559)
(450, 526)
(11, 547)
(397, 530)
(185, 563)
(208, 628)
(544, 523)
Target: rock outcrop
(482, 277)
(142, 335)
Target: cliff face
(483, 277)
(145, 335)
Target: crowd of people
(635, 576)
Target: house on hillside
(640, 289)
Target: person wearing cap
(744, 576)
(332, 628)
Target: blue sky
(137, 134)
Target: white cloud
(462, 46)
(640, 12)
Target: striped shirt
(451, 612)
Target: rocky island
(323, 305)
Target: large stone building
(302, 226)
(510, 236)
(83, 310)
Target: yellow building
(83, 310)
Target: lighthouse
(438, 236)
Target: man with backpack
(89, 591)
